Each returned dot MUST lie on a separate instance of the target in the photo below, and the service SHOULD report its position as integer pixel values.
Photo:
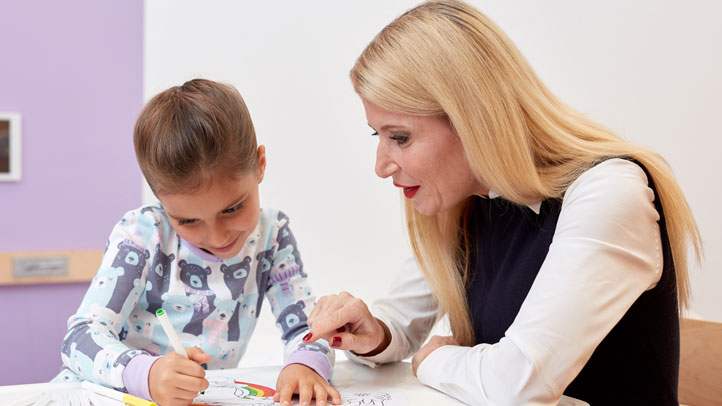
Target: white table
(347, 377)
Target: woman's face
(424, 157)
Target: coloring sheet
(245, 397)
(362, 398)
(227, 389)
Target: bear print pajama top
(213, 303)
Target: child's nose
(218, 236)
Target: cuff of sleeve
(387, 355)
(361, 360)
(135, 375)
(312, 359)
(431, 369)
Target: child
(207, 255)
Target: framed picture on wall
(9, 147)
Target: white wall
(649, 70)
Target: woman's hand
(176, 381)
(434, 343)
(297, 378)
(347, 324)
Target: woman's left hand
(297, 378)
(434, 343)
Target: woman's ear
(261, 162)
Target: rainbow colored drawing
(255, 390)
(227, 391)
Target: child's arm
(93, 347)
(307, 366)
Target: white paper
(364, 398)
(69, 397)
(226, 388)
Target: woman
(557, 249)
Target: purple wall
(73, 70)
(35, 320)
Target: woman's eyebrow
(389, 127)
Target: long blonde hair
(446, 58)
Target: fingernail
(307, 337)
(336, 342)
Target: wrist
(385, 334)
(313, 360)
(136, 375)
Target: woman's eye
(400, 139)
(186, 222)
(375, 133)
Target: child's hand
(297, 378)
(176, 381)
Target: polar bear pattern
(132, 259)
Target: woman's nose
(385, 166)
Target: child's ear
(261, 162)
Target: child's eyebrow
(174, 217)
(237, 201)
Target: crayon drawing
(226, 391)
(366, 398)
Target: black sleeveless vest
(638, 361)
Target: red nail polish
(336, 342)
(307, 337)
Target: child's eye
(400, 139)
(233, 209)
(186, 222)
(375, 133)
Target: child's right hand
(176, 381)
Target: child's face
(220, 218)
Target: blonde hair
(445, 58)
(187, 134)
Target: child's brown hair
(189, 133)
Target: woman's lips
(409, 191)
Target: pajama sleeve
(292, 300)
(92, 347)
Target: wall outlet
(40, 266)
